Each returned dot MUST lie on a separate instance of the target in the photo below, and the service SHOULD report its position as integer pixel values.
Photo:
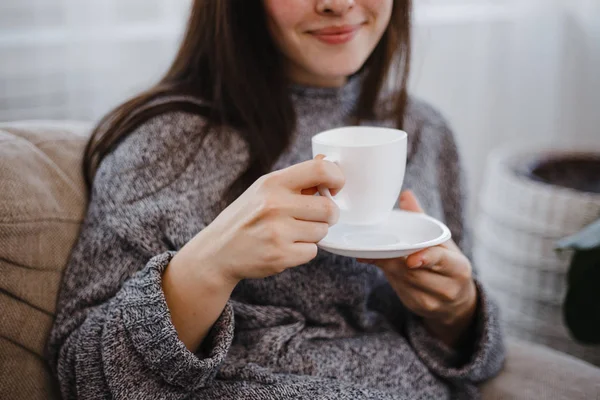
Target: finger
(422, 284)
(427, 258)
(310, 192)
(313, 173)
(451, 245)
(425, 280)
(308, 232)
(427, 305)
(408, 201)
(301, 253)
(393, 267)
(416, 297)
(443, 289)
(314, 190)
(441, 261)
(314, 208)
(333, 191)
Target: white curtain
(500, 70)
(77, 58)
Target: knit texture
(329, 329)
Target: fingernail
(419, 264)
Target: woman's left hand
(435, 283)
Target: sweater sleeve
(483, 355)
(479, 359)
(113, 336)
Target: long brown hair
(228, 60)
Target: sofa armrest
(536, 372)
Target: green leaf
(582, 304)
(586, 239)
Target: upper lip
(336, 30)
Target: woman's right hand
(274, 225)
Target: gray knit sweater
(330, 329)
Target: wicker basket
(519, 222)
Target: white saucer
(402, 234)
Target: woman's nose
(334, 7)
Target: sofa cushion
(536, 372)
(42, 204)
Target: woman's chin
(338, 72)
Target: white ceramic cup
(373, 161)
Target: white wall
(505, 71)
(500, 70)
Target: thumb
(408, 202)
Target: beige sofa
(42, 203)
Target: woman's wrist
(200, 268)
(453, 329)
(196, 294)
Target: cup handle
(324, 190)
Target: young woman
(197, 273)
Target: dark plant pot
(579, 172)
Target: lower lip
(340, 38)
